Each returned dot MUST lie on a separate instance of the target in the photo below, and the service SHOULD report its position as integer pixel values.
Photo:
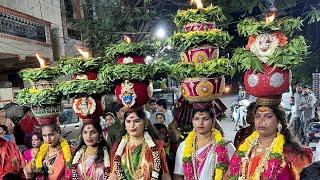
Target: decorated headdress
(127, 68)
(201, 70)
(267, 58)
(42, 96)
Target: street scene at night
(159, 89)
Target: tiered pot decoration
(269, 55)
(85, 89)
(42, 96)
(127, 69)
(199, 39)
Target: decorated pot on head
(270, 84)
(202, 89)
(189, 27)
(47, 112)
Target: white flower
(264, 46)
(127, 60)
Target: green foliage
(38, 97)
(35, 74)
(141, 48)
(184, 41)
(206, 15)
(70, 65)
(250, 26)
(221, 66)
(85, 87)
(314, 15)
(286, 57)
(142, 72)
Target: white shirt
(207, 169)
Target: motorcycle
(239, 114)
(313, 135)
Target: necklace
(136, 142)
(50, 163)
(91, 150)
(83, 166)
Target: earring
(279, 127)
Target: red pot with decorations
(202, 89)
(272, 83)
(89, 75)
(87, 107)
(200, 54)
(133, 93)
(199, 26)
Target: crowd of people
(132, 145)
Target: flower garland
(44, 148)
(220, 151)
(155, 155)
(78, 155)
(273, 158)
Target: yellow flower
(40, 155)
(245, 145)
(217, 136)
(278, 146)
(66, 150)
(33, 90)
(187, 151)
(218, 174)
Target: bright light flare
(127, 39)
(43, 62)
(161, 33)
(198, 3)
(84, 53)
(270, 17)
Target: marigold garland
(220, 151)
(44, 148)
(272, 160)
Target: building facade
(28, 27)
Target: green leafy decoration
(221, 66)
(38, 97)
(35, 74)
(142, 49)
(250, 26)
(206, 15)
(284, 57)
(184, 41)
(83, 87)
(78, 65)
(314, 15)
(141, 72)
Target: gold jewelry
(136, 142)
(91, 150)
(203, 142)
(50, 170)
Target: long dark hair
(290, 142)
(142, 115)
(101, 145)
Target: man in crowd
(297, 121)
(162, 107)
(28, 124)
(308, 108)
(115, 130)
(11, 160)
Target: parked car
(70, 125)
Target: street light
(161, 33)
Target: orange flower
(251, 40)
(283, 40)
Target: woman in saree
(53, 160)
(205, 153)
(35, 141)
(270, 152)
(139, 155)
(91, 160)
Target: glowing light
(161, 33)
(198, 3)
(270, 17)
(127, 39)
(43, 62)
(84, 53)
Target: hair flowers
(220, 151)
(270, 164)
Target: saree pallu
(92, 169)
(142, 156)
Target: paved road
(227, 124)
